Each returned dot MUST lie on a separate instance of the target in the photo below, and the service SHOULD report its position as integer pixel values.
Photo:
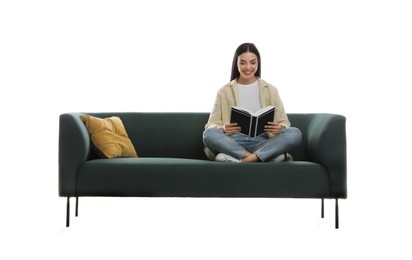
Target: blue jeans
(264, 147)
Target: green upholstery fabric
(168, 167)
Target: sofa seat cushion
(178, 177)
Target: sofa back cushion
(164, 134)
(179, 134)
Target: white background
(347, 57)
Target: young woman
(223, 140)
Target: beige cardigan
(227, 97)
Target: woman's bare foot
(250, 157)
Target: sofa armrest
(74, 149)
(326, 140)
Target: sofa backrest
(179, 134)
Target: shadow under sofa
(172, 162)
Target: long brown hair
(244, 47)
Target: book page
(263, 110)
(257, 113)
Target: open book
(252, 124)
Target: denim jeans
(264, 147)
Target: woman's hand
(273, 128)
(230, 128)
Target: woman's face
(247, 64)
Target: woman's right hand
(230, 128)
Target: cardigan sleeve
(215, 117)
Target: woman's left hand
(273, 128)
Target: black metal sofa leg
(77, 206)
(336, 214)
(322, 213)
(68, 210)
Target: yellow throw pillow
(109, 136)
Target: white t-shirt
(249, 96)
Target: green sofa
(172, 162)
